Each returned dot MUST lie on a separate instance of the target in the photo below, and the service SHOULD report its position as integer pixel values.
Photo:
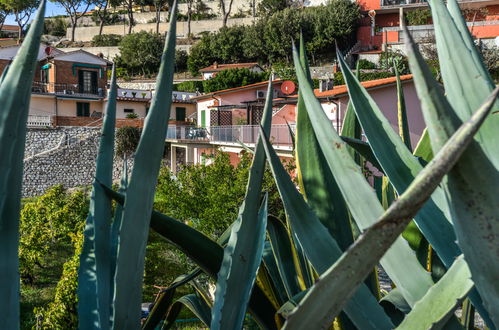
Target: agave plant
(317, 268)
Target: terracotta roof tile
(263, 83)
(342, 89)
(221, 67)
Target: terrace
(68, 89)
(232, 135)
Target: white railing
(39, 121)
(280, 135)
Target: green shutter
(203, 118)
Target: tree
(101, 13)
(128, 4)
(233, 78)
(141, 52)
(227, 44)
(201, 54)
(73, 9)
(4, 12)
(269, 7)
(190, 3)
(22, 10)
(225, 10)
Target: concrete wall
(110, 53)
(87, 33)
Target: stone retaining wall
(71, 165)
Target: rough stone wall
(71, 165)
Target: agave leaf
(401, 167)
(423, 148)
(438, 305)
(316, 180)
(94, 274)
(467, 82)
(283, 254)
(243, 253)
(290, 305)
(339, 282)
(364, 149)
(15, 94)
(276, 283)
(162, 304)
(197, 305)
(206, 253)
(245, 147)
(320, 247)
(115, 232)
(472, 221)
(236, 280)
(413, 280)
(404, 131)
(292, 135)
(140, 192)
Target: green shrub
(132, 116)
(127, 140)
(364, 76)
(189, 86)
(140, 53)
(181, 58)
(55, 26)
(105, 40)
(364, 64)
(45, 227)
(233, 78)
(390, 58)
(418, 16)
(62, 312)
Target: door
(180, 114)
(87, 82)
(82, 109)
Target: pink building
(228, 118)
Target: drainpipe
(56, 111)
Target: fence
(247, 134)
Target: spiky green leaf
(15, 95)
(320, 247)
(328, 296)
(360, 197)
(192, 301)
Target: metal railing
(39, 121)
(232, 135)
(66, 89)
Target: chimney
(215, 65)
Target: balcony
(67, 89)
(280, 136)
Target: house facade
(71, 88)
(380, 26)
(229, 120)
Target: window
(180, 114)
(82, 109)
(87, 81)
(129, 110)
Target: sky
(51, 10)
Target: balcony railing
(39, 121)
(401, 2)
(67, 89)
(231, 135)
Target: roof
(235, 89)
(6, 27)
(81, 56)
(8, 52)
(220, 67)
(342, 89)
